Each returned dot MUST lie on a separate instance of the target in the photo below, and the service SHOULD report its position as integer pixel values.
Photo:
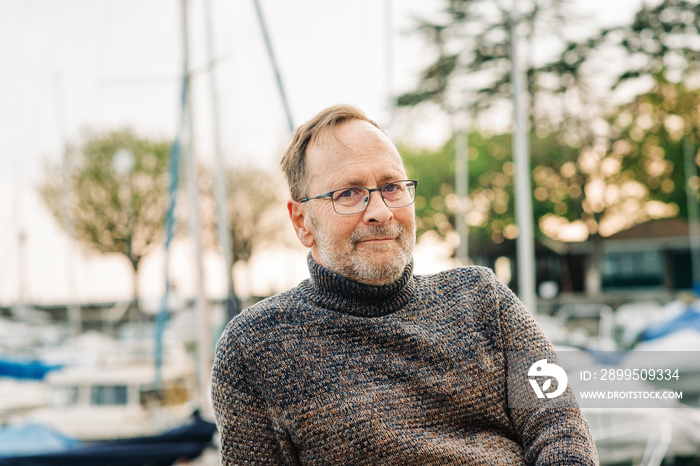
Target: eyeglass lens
(354, 200)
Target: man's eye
(394, 189)
(347, 193)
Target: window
(108, 395)
(632, 269)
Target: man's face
(374, 246)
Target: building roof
(660, 228)
(662, 234)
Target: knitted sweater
(412, 373)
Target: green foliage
(651, 132)
(598, 183)
(600, 188)
(557, 181)
(490, 182)
(112, 213)
(435, 174)
(557, 177)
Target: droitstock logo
(542, 368)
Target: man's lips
(376, 240)
(377, 236)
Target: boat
(36, 445)
(96, 403)
(646, 436)
(650, 335)
(101, 388)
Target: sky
(67, 65)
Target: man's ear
(301, 223)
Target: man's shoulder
(475, 287)
(255, 334)
(469, 276)
(261, 326)
(268, 311)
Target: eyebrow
(382, 180)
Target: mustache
(386, 231)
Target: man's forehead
(344, 156)
(348, 134)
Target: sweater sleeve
(552, 431)
(249, 433)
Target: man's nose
(377, 211)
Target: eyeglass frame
(329, 194)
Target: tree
(661, 43)
(592, 176)
(112, 212)
(600, 189)
(491, 215)
(472, 65)
(255, 209)
(649, 137)
(583, 183)
(490, 182)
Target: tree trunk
(593, 281)
(134, 313)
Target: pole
(462, 192)
(222, 218)
(22, 287)
(173, 182)
(273, 61)
(523, 193)
(389, 67)
(693, 214)
(73, 306)
(203, 347)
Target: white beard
(356, 265)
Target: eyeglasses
(353, 200)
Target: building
(648, 261)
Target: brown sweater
(337, 372)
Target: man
(366, 363)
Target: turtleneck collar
(335, 292)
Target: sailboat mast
(275, 67)
(73, 306)
(204, 352)
(221, 191)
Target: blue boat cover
(184, 443)
(25, 369)
(689, 318)
(23, 439)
